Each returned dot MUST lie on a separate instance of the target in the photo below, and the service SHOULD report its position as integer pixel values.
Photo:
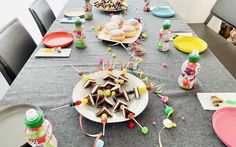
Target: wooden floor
(220, 47)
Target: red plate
(58, 39)
(224, 124)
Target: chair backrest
(16, 46)
(42, 14)
(226, 11)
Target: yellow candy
(108, 92)
(113, 55)
(113, 93)
(86, 78)
(84, 101)
(99, 27)
(109, 72)
(47, 50)
(142, 89)
(109, 49)
(124, 71)
(93, 27)
(100, 92)
(104, 116)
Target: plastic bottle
(189, 71)
(38, 130)
(165, 37)
(80, 39)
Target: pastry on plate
(117, 35)
(129, 31)
(133, 22)
(118, 19)
(110, 26)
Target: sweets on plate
(104, 110)
(105, 103)
(125, 111)
(110, 26)
(117, 35)
(109, 77)
(89, 83)
(90, 99)
(110, 5)
(133, 22)
(129, 31)
(118, 104)
(118, 19)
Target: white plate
(74, 12)
(106, 37)
(135, 105)
(12, 125)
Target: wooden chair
(15, 49)
(220, 47)
(42, 14)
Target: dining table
(49, 83)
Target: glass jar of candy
(88, 14)
(80, 42)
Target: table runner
(49, 83)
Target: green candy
(144, 130)
(80, 43)
(169, 110)
(88, 15)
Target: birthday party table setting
(120, 74)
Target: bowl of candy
(111, 5)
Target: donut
(110, 26)
(117, 35)
(129, 31)
(134, 23)
(118, 19)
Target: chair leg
(208, 19)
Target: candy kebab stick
(76, 103)
(130, 115)
(104, 122)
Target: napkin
(52, 53)
(70, 20)
(229, 100)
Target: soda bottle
(165, 36)
(189, 71)
(38, 130)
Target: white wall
(196, 11)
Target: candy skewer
(60, 107)
(75, 68)
(144, 129)
(104, 122)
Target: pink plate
(58, 39)
(224, 125)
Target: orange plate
(58, 39)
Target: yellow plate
(189, 43)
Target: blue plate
(163, 11)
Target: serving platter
(135, 105)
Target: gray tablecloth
(48, 83)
